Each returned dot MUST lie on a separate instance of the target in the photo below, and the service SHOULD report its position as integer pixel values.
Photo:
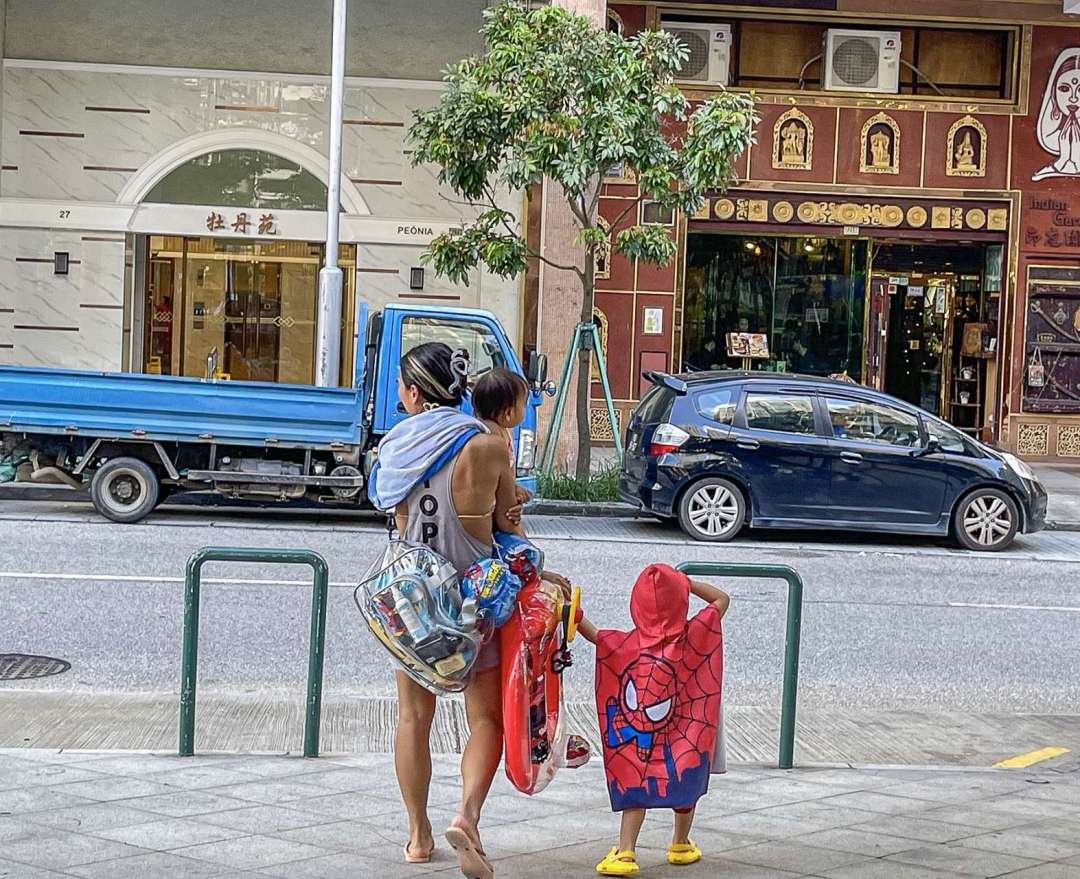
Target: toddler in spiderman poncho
(658, 702)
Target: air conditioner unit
(710, 51)
(861, 61)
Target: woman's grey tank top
(434, 522)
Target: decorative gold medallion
(916, 216)
(793, 141)
(940, 217)
(782, 211)
(997, 219)
(811, 212)
(965, 148)
(847, 214)
(702, 213)
(724, 209)
(892, 215)
(879, 145)
(975, 218)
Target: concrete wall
(76, 135)
(406, 39)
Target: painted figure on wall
(1059, 125)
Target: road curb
(28, 491)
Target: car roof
(743, 377)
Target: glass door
(252, 302)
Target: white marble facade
(79, 134)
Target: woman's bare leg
(412, 758)
(630, 828)
(483, 706)
(681, 833)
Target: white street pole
(328, 341)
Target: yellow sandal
(617, 863)
(681, 854)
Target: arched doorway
(238, 298)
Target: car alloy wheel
(712, 510)
(987, 521)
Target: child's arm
(586, 629)
(710, 594)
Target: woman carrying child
(447, 479)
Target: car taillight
(667, 438)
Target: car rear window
(655, 405)
(717, 405)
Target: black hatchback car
(717, 450)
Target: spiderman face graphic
(646, 704)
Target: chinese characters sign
(242, 223)
(1051, 223)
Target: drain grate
(22, 666)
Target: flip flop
(418, 859)
(471, 859)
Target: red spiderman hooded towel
(658, 696)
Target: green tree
(555, 96)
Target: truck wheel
(124, 489)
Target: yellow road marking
(1022, 761)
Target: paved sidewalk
(127, 814)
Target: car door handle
(851, 457)
(750, 444)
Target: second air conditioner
(861, 61)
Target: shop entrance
(806, 294)
(252, 302)
(933, 322)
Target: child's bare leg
(681, 834)
(632, 819)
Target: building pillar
(560, 291)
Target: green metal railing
(190, 659)
(791, 641)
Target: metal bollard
(791, 642)
(316, 643)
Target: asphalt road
(906, 624)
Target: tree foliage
(554, 96)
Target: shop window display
(806, 294)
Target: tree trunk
(584, 377)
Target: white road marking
(155, 578)
(1058, 608)
(338, 584)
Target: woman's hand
(515, 513)
(559, 580)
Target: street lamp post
(328, 341)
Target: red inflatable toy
(534, 654)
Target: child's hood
(659, 603)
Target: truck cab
(397, 329)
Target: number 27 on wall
(65, 214)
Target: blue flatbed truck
(132, 439)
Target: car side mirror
(537, 370)
(932, 446)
